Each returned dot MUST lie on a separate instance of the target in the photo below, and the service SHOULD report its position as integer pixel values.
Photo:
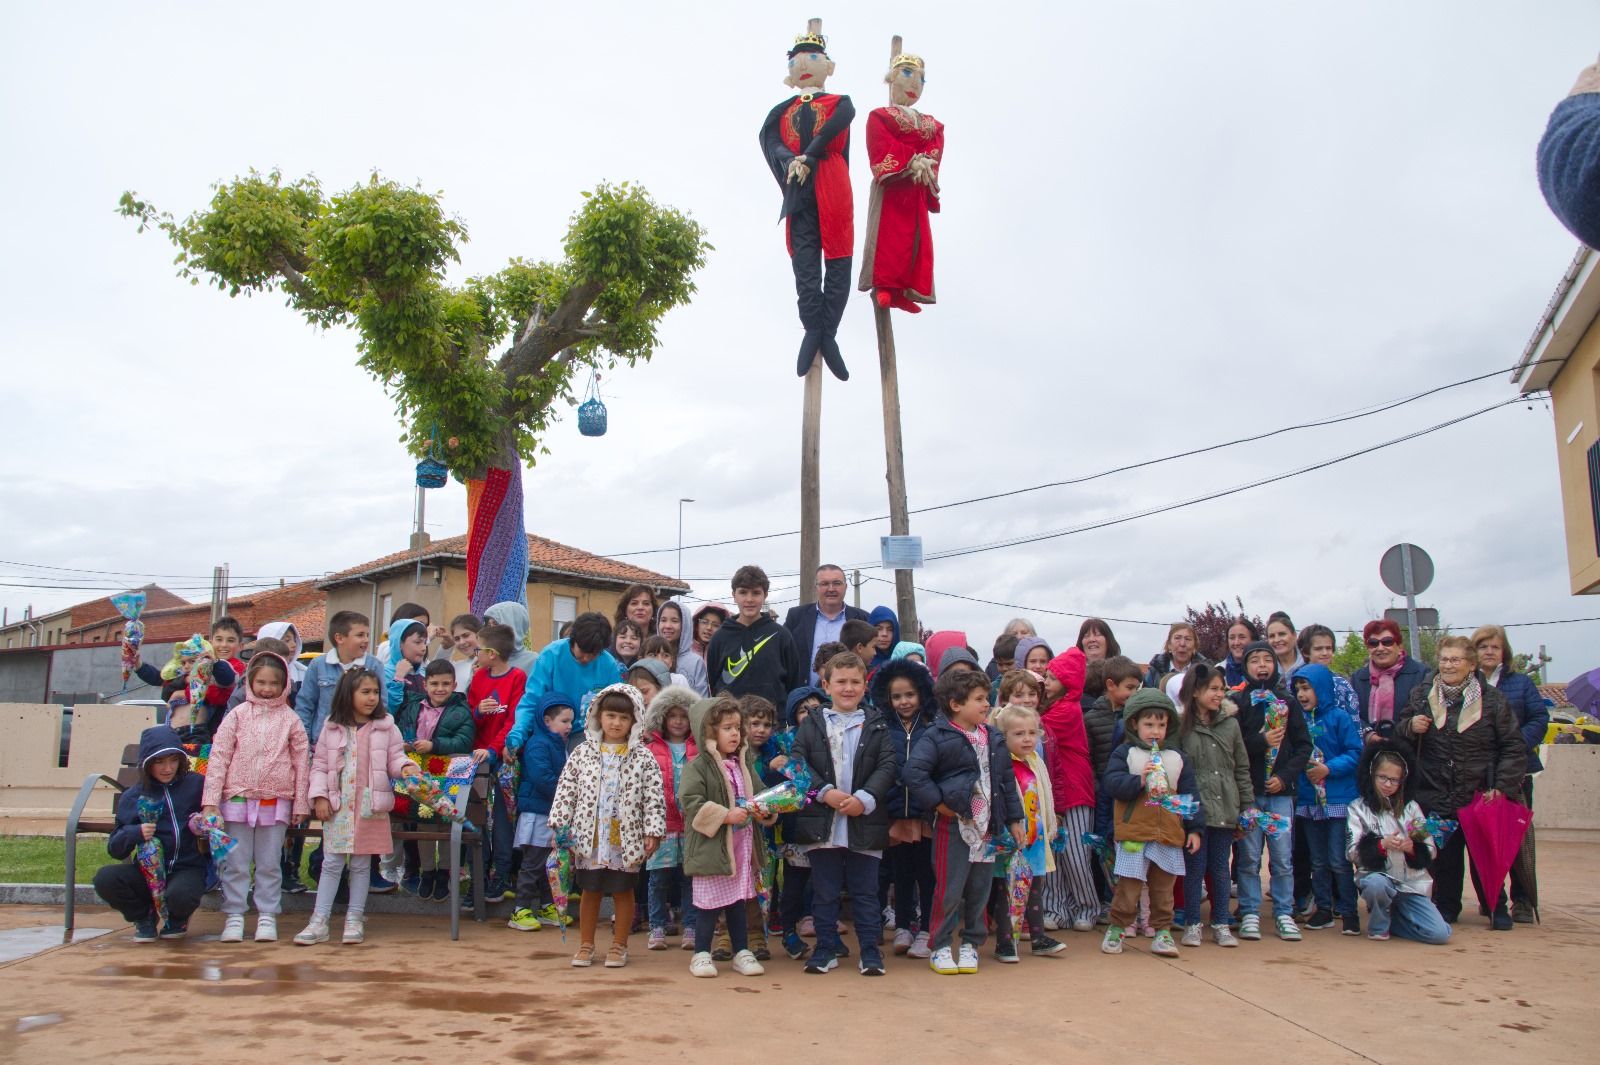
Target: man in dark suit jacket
(826, 616)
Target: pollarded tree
(373, 258)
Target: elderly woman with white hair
(1467, 743)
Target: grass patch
(43, 859)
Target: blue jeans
(1280, 858)
(661, 881)
(1216, 850)
(502, 830)
(836, 869)
(1401, 913)
(1333, 882)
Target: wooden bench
(457, 835)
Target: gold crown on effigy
(906, 59)
(809, 42)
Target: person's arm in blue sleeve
(1569, 159)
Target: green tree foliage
(374, 258)
(1211, 626)
(1350, 656)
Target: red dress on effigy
(898, 253)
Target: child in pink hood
(257, 779)
(1070, 896)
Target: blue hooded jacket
(394, 691)
(543, 756)
(900, 801)
(879, 615)
(178, 801)
(1334, 733)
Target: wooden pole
(811, 484)
(905, 592)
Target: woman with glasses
(1467, 743)
(1386, 682)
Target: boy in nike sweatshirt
(751, 654)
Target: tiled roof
(155, 598)
(544, 556)
(1556, 693)
(303, 605)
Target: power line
(1222, 493)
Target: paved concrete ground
(410, 995)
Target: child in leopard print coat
(609, 809)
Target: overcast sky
(1165, 225)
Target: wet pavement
(409, 994)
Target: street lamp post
(681, 502)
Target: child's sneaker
(745, 963)
(1319, 920)
(919, 946)
(1164, 945)
(174, 929)
(266, 928)
(584, 957)
(232, 929)
(1006, 953)
(549, 915)
(144, 930)
(794, 946)
(1352, 924)
(870, 964)
(1224, 936)
(1147, 929)
(1249, 926)
(315, 931)
(821, 962)
(807, 928)
(1045, 945)
(1380, 936)
(967, 958)
(944, 963)
(1112, 943)
(1193, 936)
(657, 940)
(1287, 929)
(702, 966)
(494, 890)
(888, 917)
(525, 920)
(355, 931)
(903, 939)
(688, 940)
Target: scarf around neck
(1381, 704)
(1468, 695)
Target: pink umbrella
(1493, 832)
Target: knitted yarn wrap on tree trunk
(497, 539)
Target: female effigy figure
(904, 148)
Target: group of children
(651, 747)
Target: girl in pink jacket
(359, 752)
(257, 779)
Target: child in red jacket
(1070, 895)
(493, 694)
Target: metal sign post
(1407, 570)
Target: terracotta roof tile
(301, 604)
(544, 556)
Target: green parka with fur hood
(706, 798)
(1221, 765)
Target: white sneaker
(701, 965)
(1083, 924)
(744, 963)
(391, 869)
(1250, 926)
(1193, 936)
(232, 929)
(1052, 923)
(315, 932)
(919, 946)
(903, 940)
(1287, 929)
(266, 928)
(888, 917)
(944, 963)
(967, 959)
(355, 930)
(1224, 936)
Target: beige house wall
(1575, 398)
(46, 630)
(32, 785)
(443, 590)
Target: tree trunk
(497, 535)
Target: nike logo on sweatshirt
(733, 669)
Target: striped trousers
(1069, 892)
